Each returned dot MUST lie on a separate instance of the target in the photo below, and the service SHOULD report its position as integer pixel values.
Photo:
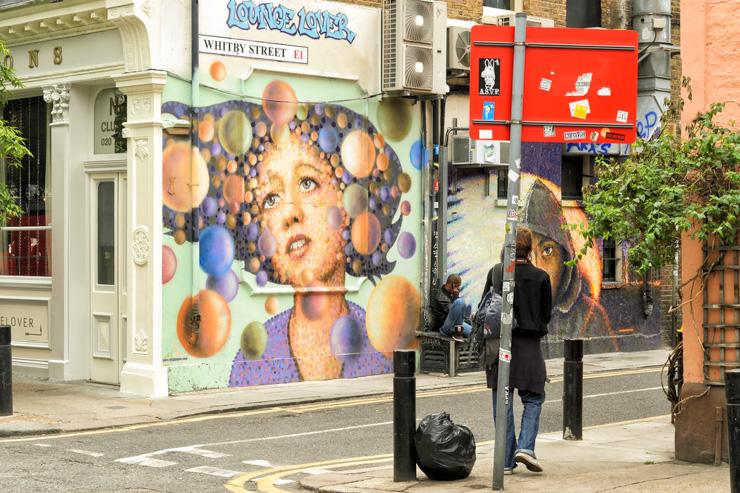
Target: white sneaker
(529, 461)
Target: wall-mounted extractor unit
(467, 152)
(508, 20)
(414, 46)
(458, 51)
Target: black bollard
(404, 415)
(732, 392)
(6, 372)
(573, 390)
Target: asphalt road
(270, 448)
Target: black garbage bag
(444, 451)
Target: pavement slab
(630, 457)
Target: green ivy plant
(12, 144)
(666, 186)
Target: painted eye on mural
(307, 184)
(271, 201)
(547, 251)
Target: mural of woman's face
(548, 256)
(295, 192)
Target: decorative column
(58, 97)
(143, 373)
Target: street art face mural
(287, 197)
(609, 319)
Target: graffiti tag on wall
(312, 24)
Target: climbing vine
(666, 186)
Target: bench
(440, 353)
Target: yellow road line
(266, 484)
(237, 483)
(304, 408)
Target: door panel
(106, 268)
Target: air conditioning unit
(458, 49)
(414, 46)
(467, 152)
(508, 20)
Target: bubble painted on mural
(328, 139)
(267, 243)
(314, 302)
(216, 250)
(235, 132)
(393, 314)
(206, 129)
(234, 191)
(346, 338)
(419, 155)
(355, 200)
(406, 245)
(184, 177)
(404, 182)
(366, 233)
(226, 285)
(169, 264)
(272, 305)
(334, 217)
(203, 323)
(394, 117)
(217, 71)
(279, 102)
(358, 153)
(253, 341)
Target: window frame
(9, 279)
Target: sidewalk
(631, 457)
(47, 407)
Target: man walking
(448, 310)
(532, 307)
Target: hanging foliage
(668, 185)
(12, 144)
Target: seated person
(448, 310)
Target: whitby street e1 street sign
(580, 85)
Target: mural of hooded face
(551, 244)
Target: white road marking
(295, 435)
(141, 460)
(199, 451)
(258, 462)
(282, 482)
(85, 452)
(608, 394)
(315, 472)
(45, 445)
(214, 471)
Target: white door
(107, 268)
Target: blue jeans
(456, 316)
(529, 428)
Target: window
(26, 240)
(583, 13)
(609, 261)
(499, 4)
(502, 183)
(576, 173)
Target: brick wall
(456, 9)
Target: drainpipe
(652, 21)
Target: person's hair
(523, 241)
(383, 191)
(453, 278)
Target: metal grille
(390, 54)
(721, 305)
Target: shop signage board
(580, 85)
(311, 37)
